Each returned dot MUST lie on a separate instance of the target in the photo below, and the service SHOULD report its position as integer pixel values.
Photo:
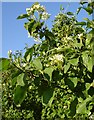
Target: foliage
(55, 78)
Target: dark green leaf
(69, 83)
(73, 107)
(20, 94)
(4, 64)
(29, 52)
(23, 16)
(37, 81)
(78, 10)
(81, 23)
(47, 95)
(70, 13)
(89, 10)
(30, 25)
(15, 73)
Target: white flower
(37, 6)
(27, 9)
(10, 52)
(80, 36)
(58, 57)
(45, 16)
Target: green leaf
(78, 10)
(20, 79)
(14, 81)
(70, 13)
(73, 107)
(29, 53)
(74, 61)
(82, 2)
(37, 80)
(16, 73)
(23, 16)
(82, 107)
(37, 64)
(4, 64)
(61, 7)
(74, 80)
(66, 67)
(47, 95)
(20, 94)
(89, 64)
(87, 60)
(81, 23)
(89, 10)
(49, 71)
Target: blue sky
(14, 35)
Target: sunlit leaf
(74, 80)
(49, 71)
(37, 63)
(20, 79)
(66, 67)
(74, 61)
(23, 16)
(4, 64)
(82, 107)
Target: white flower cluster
(40, 9)
(57, 58)
(45, 16)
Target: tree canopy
(53, 79)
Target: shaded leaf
(16, 73)
(20, 94)
(37, 81)
(73, 107)
(47, 95)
